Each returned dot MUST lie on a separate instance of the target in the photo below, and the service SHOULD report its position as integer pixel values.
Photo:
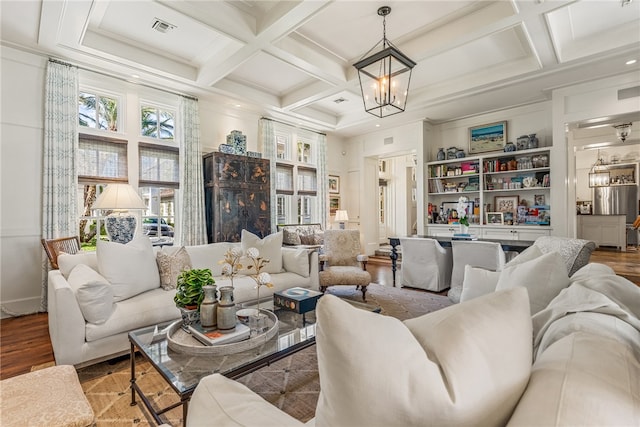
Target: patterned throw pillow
(290, 237)
(170, 266)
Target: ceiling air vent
(162, 26)
(339, 100)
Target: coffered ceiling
(292, 60)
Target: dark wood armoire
(237, 196)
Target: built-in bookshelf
(506, 190)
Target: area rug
(290, 384)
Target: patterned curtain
(323, 179)
(59, 175)
(192, 229)
(267, 139)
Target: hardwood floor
(24, 341)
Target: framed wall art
(334, 204)
(334, 184)
(489, 137)
(539, 199)
(495, 218)
(506, 204)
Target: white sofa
(94, 302)
(474, 363)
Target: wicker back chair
(53, 247)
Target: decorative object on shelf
(463, 218)
(226, 311)
(209, 307)
(226, 148)
(529, 181)
(238, 141)
(452, 153)
(441, 154)
(521, 142)
(258, 321)
(384, 75)
(532, 142)
(623, 130)
(506, 204)
(189, 293)
(509, 147)
(341, 217)
(495, 218)
(255, 154)
(120, 199)
(231, 263)
(460, 154)
(489, 137)
(539, 199)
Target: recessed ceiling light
(631, 61)
(377, 125)
(238, 105)
(135, 76)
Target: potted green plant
(189, 292)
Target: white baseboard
(19, 307)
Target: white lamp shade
(341, 215)
(119, 196)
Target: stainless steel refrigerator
(616, 200)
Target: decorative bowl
(244, 313)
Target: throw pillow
(544, 277)
(477, 282)
(209, 256)
(170, 266)
(290, 237)
(66, 262)
(270, 247)
(466, 364)
(93, 293)
(130, 268)
(296, 261)
(532, 252)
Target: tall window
(296, 177)
(145, 153)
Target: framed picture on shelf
(506, 204)
(334, 204)
(489, 137)
(334, 184)
(539, 199)
(495, 218)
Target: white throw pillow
(66, 262)
(477, 282)
(93, 293)
(209, 256)
(296, 261)
(270, 248)
(170, 266)
(544, 277)
(532, 252)
(130, 268)
(466, 364)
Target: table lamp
(341, 217)
(120, 198)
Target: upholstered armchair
(574, 252)
(425, 264)
(342, 263)
(488, 255)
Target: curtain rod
(293, 126)
(58, 61)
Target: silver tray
(183, 342)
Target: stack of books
(464, 236)
(215, 337)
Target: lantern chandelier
(384, 76)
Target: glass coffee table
(183, 371)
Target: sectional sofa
(96, 298)
(530, 347)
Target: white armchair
(425, 264)
(487, 255)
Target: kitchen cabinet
(604, 230)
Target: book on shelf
(215, 337)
